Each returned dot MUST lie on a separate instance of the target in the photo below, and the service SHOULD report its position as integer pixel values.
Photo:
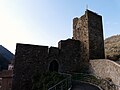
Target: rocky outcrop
(105, 69)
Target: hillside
(112, 47)
(6, 53)
(3, 63)
(5, 57)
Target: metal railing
(108, 85)
(62, 85)
(102, 83)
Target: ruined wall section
(70, 56)
(28, 60)
(96, 40)
(80, 32)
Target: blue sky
(45, 22)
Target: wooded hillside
(112, 47)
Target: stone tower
(89, 30)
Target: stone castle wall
(80, 32)
(30, 59)
(71, 55)
(96, 40)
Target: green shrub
(46, 80)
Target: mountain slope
(5, 57)
(6, 53)
(112, 47)
(3, 63)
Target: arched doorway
(54, 66)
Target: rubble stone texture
(89, 30)
(105, 68)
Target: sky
(46, 22)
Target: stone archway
(54, 66)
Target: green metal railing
(62, 85)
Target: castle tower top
(88, 30)
(89, 11)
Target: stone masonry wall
(70, 56)
(105, 68)
(96, 40)
(80, 32)
(28, 60)
(88, 30)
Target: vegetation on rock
(112, 47)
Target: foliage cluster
(46, 80)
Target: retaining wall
(105, 68)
